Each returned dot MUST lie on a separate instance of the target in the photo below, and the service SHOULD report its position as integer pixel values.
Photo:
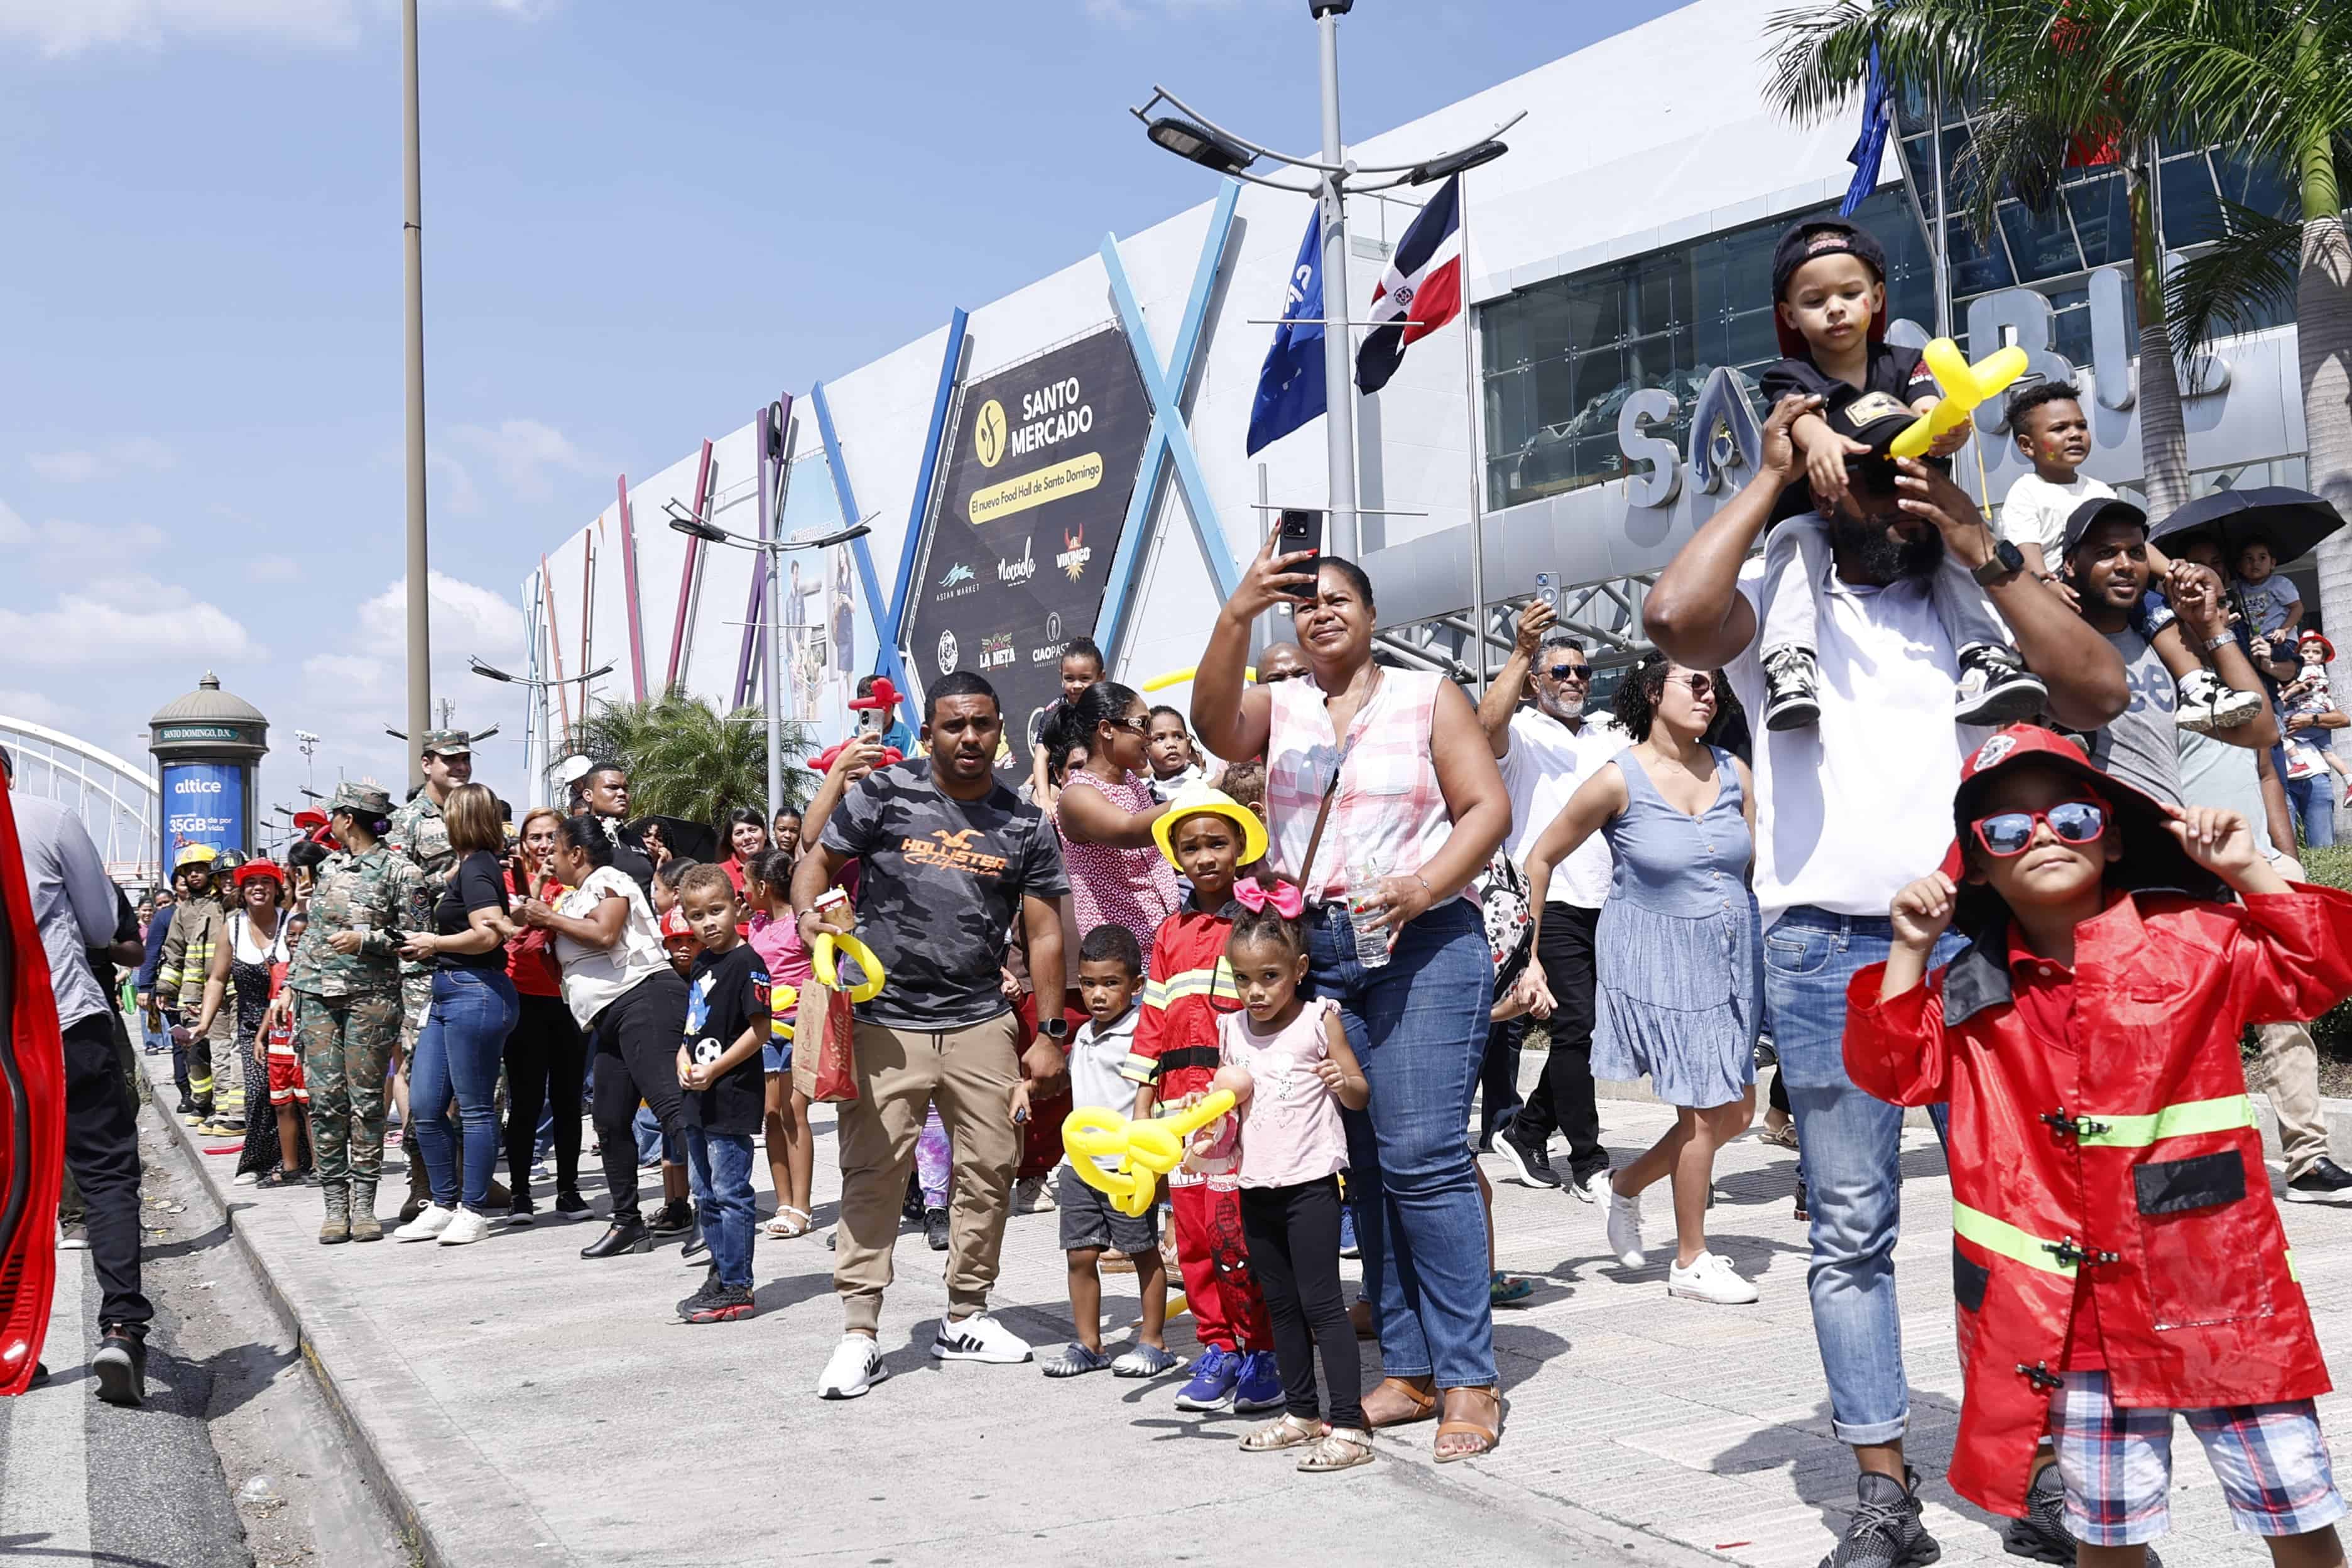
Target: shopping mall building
(1070, 460)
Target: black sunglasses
(1571, 672)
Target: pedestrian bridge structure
(117, 797)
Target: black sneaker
(1996, 688)
(120, 1365)
(1530, 1163)
(521, 1211)
(910, 1205)
(1792, 685)
(673, 1218)
(1884, 1530)
(698, 1250)
(2042, 1535)
(1805, 1211)
(716, 1303)
(569, 1202)
(188, 1106)
(935, 1229)
(2325, 1183)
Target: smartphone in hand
(1302, 530)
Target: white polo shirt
(1850, 810)
(1547, 764)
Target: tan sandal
(1424, 1405)
(1289, 1431)
(1454, 1426)
(1338, 1449)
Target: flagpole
(1338, 371)
(1477, 478)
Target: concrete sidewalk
(522, 1407)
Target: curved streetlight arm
(1160, 94)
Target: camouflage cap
(447, 742)
(361, 799)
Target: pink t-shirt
(1290, 1129)
(779, 945)
(1130, 888)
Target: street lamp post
(412, 236)
(686, 522)
(1193, 136)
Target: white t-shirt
(2036, 511)
(1547, 764)
(1096, 1054)
(1850, 810)
(596, 977)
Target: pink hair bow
(1285, 897)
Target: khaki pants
(969, 1074)
(2291, 1066)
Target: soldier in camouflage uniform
(420, 835)
(345, 985)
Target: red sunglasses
(2008, 834)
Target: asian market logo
(988, 434)
(996, 650)
(947, 652)
(956, 583)
(957, 575)
(1074, 555)
(1010, 572)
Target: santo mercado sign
(2242, 409)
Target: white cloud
(363, 682)
(38, 708)
(456, 494)
(59, 28)
(529, 456)
(129, 622)
(13, 529)
(79, 465)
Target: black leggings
(1294, 1249)
(546, 1060)
(636, 1059)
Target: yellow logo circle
(989, 438)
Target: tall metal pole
(1477, 478)
(412, 234)
(774, 616)
(1338, 360)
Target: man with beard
(1546, 751)
(1847, 813)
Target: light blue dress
(1680, 945)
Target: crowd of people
(2013, 839)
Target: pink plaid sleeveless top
(1388, 803)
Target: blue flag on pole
(1290, 383)
(1871, 143)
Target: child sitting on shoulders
(1288, 1065)
(718, 1066)
(1110, 974)
(2117, 1258)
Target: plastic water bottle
(1372, 943)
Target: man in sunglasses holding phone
(1849, 811)
(1546, 751)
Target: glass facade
(1562, 358)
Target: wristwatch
(2006, 558)
(1055, 1030)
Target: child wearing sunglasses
(2116, 1255)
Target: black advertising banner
(1035, 499)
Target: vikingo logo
(947, 652)
(951, 852)
(1074, 555)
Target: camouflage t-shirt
(369, 894)
(419, 831)
(942, 883)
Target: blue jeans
(2314, 800)
(1849, 1149)
(460, 1049)
(720, 1165)
(1417, 1026)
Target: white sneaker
(1710, 1279)
(978, 1338)
(465, 1228)
(1591, 1187)
(1625, 1228)
(432, 1222)
(1032, 1195)
(854, 1366)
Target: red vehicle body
(32, 1121)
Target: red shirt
(530, 960)
(1187, 987)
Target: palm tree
(687, 759)
(2044, 75)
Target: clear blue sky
(641, 221)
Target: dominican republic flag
(1420, 292)
(1290, 383)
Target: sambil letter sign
(1029, 517)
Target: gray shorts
(1089, 1222)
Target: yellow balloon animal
(1965, 386)
(1146, 1149)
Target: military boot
(365, 1227)
(338, 1226)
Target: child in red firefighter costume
(1208, 837)
(2116, 1255)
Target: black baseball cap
(1873, 419)
(2093, 512)
(1821, 237)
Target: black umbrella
(2292, 522)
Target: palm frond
(687, 759)
(2253, 269)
